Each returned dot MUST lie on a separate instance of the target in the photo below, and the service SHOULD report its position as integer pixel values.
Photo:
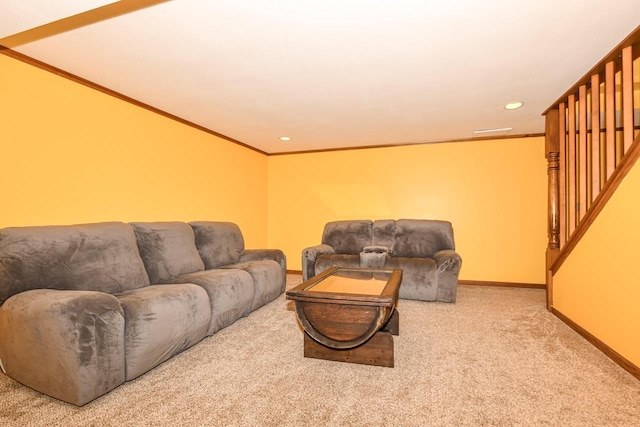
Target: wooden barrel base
(377, 351)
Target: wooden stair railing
(592, 140)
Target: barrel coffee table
(349, 314)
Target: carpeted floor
(494, 358)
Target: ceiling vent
(492, 132)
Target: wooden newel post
(554, 200)
(552, 149)
(552, 153)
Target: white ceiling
(333, 73)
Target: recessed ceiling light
(513, 105)
(285, 138)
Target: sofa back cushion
(168, 249)
(384, 234)
(219, 243)
(420, 238)
(347, 237)
(95, 257)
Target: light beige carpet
(494, 358)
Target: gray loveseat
(85, 308)
(423, 249)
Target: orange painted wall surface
(598, 286)
(494, 193)
(70, 154)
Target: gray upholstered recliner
(423, 249)
(84, 308)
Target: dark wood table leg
(393, 324)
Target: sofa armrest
(66, 344)
(309, 257)
(265, 254)
(449, 263)
(448, 260)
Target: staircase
(592, 142)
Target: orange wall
(70, 154)
(494, 193)
(598, 286)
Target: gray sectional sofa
(84, 308)
(423, 249)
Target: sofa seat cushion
(419, 277)
(66, 344)
(325, 262)
(92, 257)
(230, 294)
(267, 280)
(219, 243)
(168, 249)
(265, 254)
(160, 322)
